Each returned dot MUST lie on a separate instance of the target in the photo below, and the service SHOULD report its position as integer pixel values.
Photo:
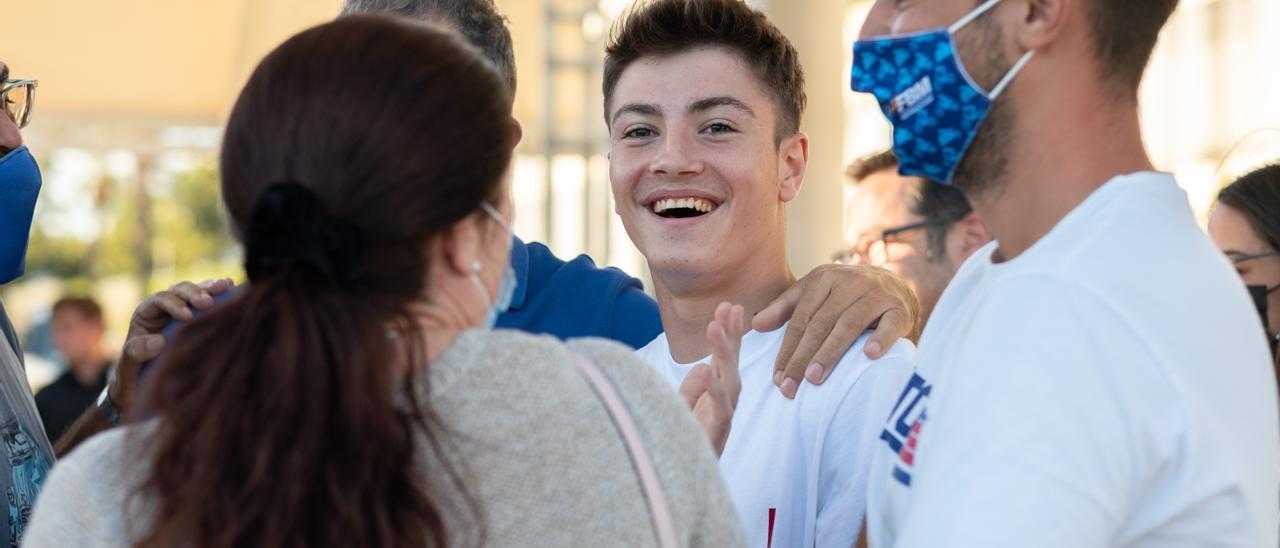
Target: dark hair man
(916, 227)
(78, 329)
(828, 309)
(1096, 377)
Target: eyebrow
(636, 108)
(703, 105)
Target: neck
(1058, 157)
(688, 306)
(88, 371)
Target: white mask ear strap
(496, 216)
(972, 15)
(1008, 77)
(475, 279)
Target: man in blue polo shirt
(577, 299)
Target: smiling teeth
(697, 204)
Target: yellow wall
(173, 59)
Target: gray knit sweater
(535, 447)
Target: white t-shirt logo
(902, 433)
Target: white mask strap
(496, 216)
(1008, 77)
(984, 8)
(475, 279)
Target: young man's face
(698, 176)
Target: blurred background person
(919, 229)
(78, 330)
(352, 394)
(1245, 225)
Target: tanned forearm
(90, 422)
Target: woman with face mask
(352, 393)
(1246, 226)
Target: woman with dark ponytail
(351, 394)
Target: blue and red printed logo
(903, 431)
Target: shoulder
(649, 397)
(84, 497)
(545, 265)
(858, 373)
(630, 373)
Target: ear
(966, 236)
(517, 131)
(794, 152)
(1040, 23)
(460, 245)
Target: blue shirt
(578, 299)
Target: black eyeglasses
(1235, 261)
(18, 97)
(875, 251)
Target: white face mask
(507, 287)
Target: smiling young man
(703, 100)
(1095, 377)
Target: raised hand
(712, 390)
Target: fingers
(848, 328)
(218, 286)
(715, 413)
(694, 384)
(778, 311)
(894, 325)
(154, 312)
(140, 350)
(195, 295)
(814, 295)
(725, 335)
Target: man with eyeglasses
(27, 454)
(919, 229)
(26, 450)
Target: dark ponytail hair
(285, 418)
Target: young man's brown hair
(85, 306)
(666, 27)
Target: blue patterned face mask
(923, 88)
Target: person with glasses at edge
(26, 447)
(29, 454)
(1245, 225)
(913, 226)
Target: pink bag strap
(650, 483)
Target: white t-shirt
(797, 470)
(1110, 387)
